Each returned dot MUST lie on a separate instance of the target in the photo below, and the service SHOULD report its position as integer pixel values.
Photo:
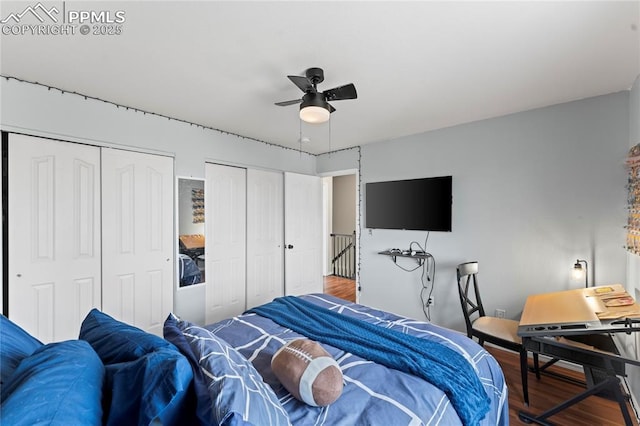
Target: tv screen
(414, 204)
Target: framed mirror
(191, 252)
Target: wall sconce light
(579, 271)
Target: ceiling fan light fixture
(314, 109)
(314, 114)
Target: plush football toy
(308, 372)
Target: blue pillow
(117, 341)
(153, 389)
(59, 384)
(15, 345)
(229, 389)
(147, 379)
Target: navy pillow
(151, 390)
(203, 405)
(15, 345)
(59, 384)
(230, 390)
(117, 341)
(147, 379)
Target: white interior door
(265, 217)
(303, 234)
(54, 235)
(138, 243)
(225, 241)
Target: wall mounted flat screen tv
(413, 204)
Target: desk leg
(612, 384)
(543, 370)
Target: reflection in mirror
(191, 259)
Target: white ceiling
(417, 66)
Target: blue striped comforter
(373, 394)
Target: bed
(372, 394)
(221, 373)
(188, 271)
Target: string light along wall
(138, 110)
(426, 263)
(144, 112)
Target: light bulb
(578, 272)
(314, 114)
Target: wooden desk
(576, 326)
(574, 312)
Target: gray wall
(532, 192)
(35, 110)
(344, 204)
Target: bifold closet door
(54, 235)
(138, 237)
(225, 241)
(265, 246)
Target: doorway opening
(340, 195)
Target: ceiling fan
(314, 105)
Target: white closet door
(54, 235)
(303, 234)
(138, 243)
(225, 241)
(265, 210)
(2, 236)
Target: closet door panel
(138, 245)
(54, 235)
(225, 241)
(265, 234)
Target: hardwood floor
(549, 391)
(343, 288)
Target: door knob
(289, 246)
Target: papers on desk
(607, 292)
(609, 315)
(617, 303)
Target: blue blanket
(439, 365)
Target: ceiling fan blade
(331, 108)
(287, 103)
(302, 82)
(348, 91)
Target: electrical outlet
(500, 313)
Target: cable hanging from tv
(427, 262)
